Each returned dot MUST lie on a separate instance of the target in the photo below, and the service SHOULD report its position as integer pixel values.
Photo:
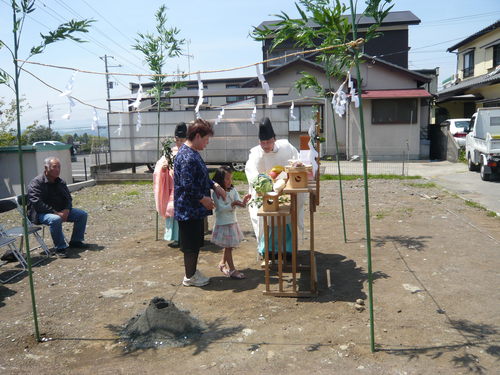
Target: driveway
(454, 177)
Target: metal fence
(354, 166)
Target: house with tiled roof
(476, 82)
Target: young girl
(226, 232)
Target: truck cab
(482, 144)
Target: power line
(120, 32)
(457, 19)
(107, 37)
(61, 18)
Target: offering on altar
(268, 193)
(298, 174)
(275, 171)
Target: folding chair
(18, 232)
(9, 242)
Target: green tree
(157, 48)
(7, 118)
(68, 138)
(35, 133)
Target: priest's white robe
(260, 162)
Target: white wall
(10, 179)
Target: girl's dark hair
(219, 175)
(201, 127)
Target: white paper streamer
(95, 120)
(219, 116)
(270, 95)
(292, 116)
(200, 97)
(339, 101)
(139, 122)
(253, 115)
(68, 90)
(352, 92)
(137, 101)
(265, 85)
(120, 125)
(313, 154)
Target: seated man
(50, 203)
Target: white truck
(482, 144)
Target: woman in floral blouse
(192, 199)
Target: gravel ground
(436, 295)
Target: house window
(282, 52)
(194, 100)
(496, 55)
(469, 64)
(234, 99)
(165, 104)
(398, 111)
(305, 116)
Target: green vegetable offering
(263, 184)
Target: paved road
(469, 185)
(78, 166)
(454, 177)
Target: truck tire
(484, 176)
(240, 167)
(472, 167)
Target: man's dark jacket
(45, 197)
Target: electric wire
(60, 18)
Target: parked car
(48, 143)
(482, 146)
(459, 127)
(57, 143)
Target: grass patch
(475, 205)
(461, 155)
(237, 176)
(427, 185)
(132, 192)
(351, 177)
(380, 215)
(141, 182)
(491, 213)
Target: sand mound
(161, 324)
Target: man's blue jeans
(76, 216)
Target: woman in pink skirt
(226, 232)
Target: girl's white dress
(226, 232)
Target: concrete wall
(10, 179)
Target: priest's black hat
(180, 130)
(266, 129)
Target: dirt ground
(436, 294)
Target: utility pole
(189, 57)
(49, 108)
(109, 85)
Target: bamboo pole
(365, 177)
(339, 173)
(21, 172)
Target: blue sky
(218, 34)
